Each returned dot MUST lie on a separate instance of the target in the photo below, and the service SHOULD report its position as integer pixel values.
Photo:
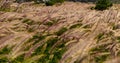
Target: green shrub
(103, 4)
(49, 3)
(60, 1)
(52, 2)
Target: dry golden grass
(98, 28)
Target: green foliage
(60, 1)
(48, 23)
(51, 42)
(19, 59)
(57, 55)
(5, 9)
(116, 27)
(61, 31)
(103, 4)
(101, 59)
(100, 36)
(5, 50)
(50, 57)
(99, 49)
(52, 2)
(76, 25)
(48, 44)
(28, 21)
(47, 2)
(4, 60)
(118, 38)
(31, 29)
(38, 38)
(35, 39)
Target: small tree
(103, 4)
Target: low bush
(52, 2)
(103, 4)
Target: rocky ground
(67, 33)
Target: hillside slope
(67, 33)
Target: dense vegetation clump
(103, 4)
(52, 2)
(47, 2)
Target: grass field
(64, 33)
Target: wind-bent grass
(75, 25)
(49, 23)
(49, 57)
(28, 21)
(61, 31)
